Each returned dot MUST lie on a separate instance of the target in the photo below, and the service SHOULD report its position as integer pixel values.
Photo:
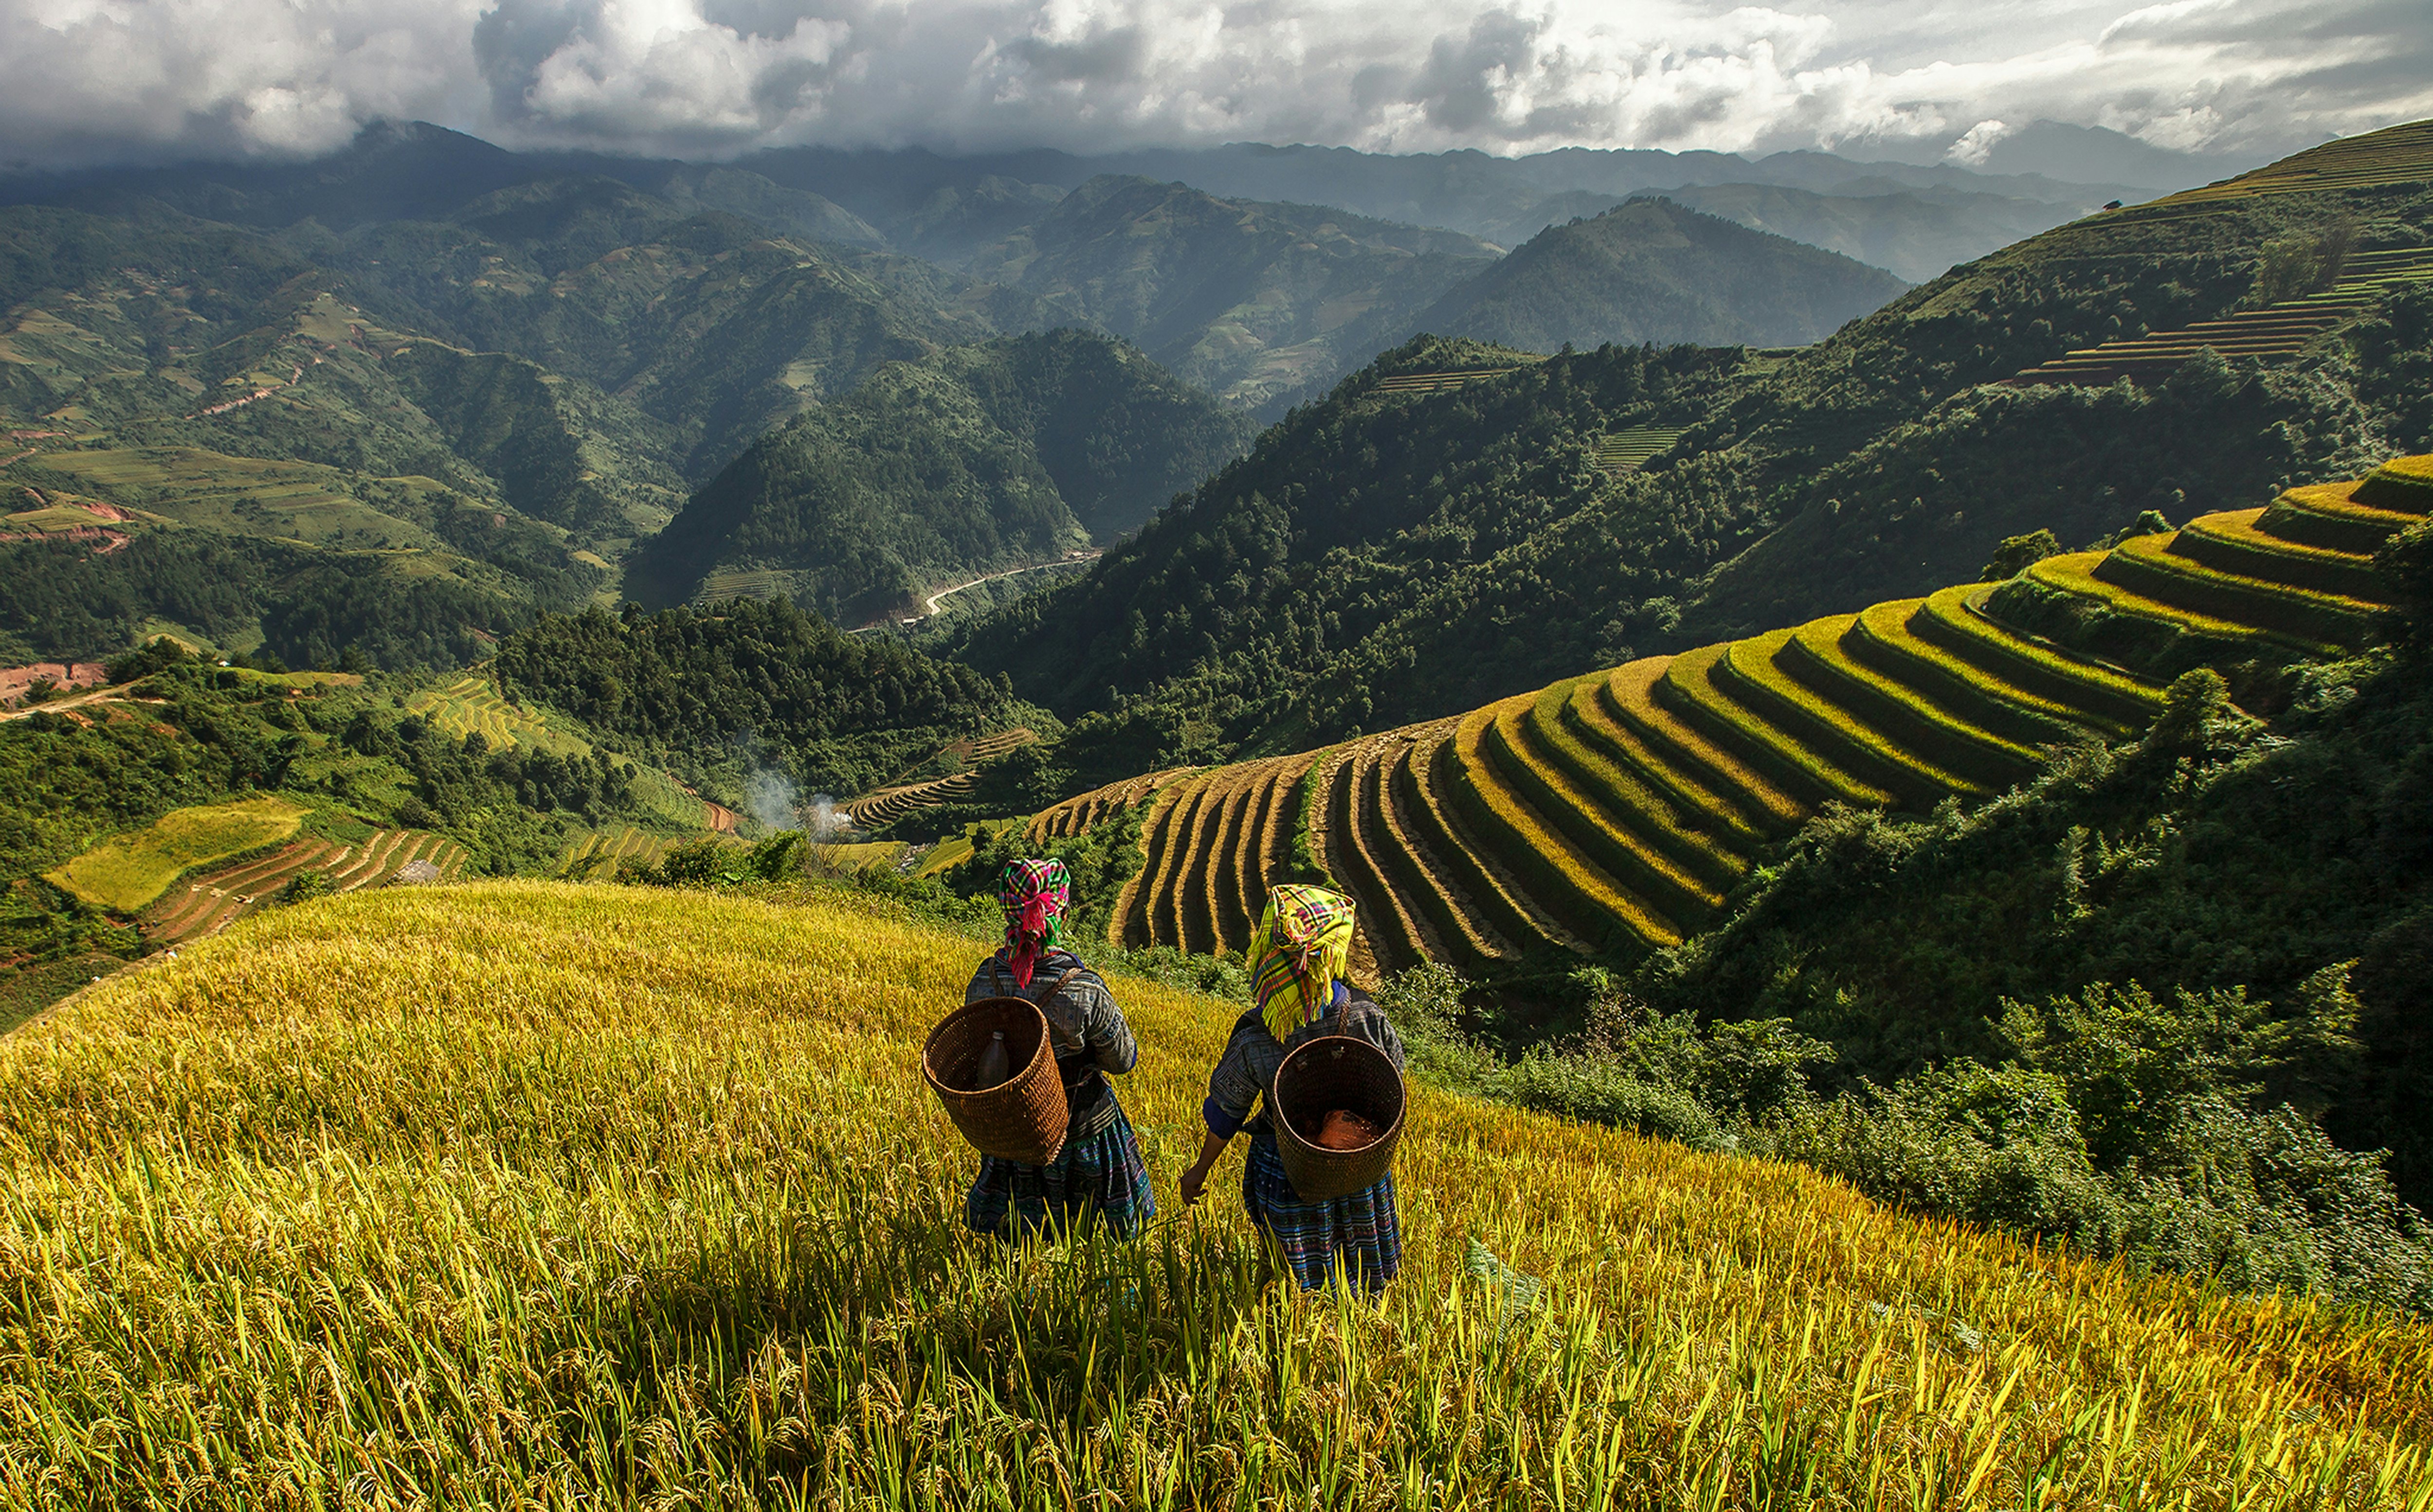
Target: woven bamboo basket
(1020, 1119)
(1336, 1071)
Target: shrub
(302, 888)
(2017, 553)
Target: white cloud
(1976, 143)
(123, 77)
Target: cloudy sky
(95, 80)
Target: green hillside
(666, 1209)
(1415, 551)
(750, 688)
(973, 461)
(1655, 271)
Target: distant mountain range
(498, 374)
(1652, 271)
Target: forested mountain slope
(974, 460)
(403, 432)
(1652, 271)
(210, 439)
(719, 327)
(1410, 548)
(1916, 235)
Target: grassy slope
(526, 1193)
(129, 871)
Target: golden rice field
(601, 851)
(539, 1195)
(125, 873)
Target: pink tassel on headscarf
(1034, 895)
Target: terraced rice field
(1630, 451)
(1077, 816)
(742, 585)
(1215, 843)
(125, 873)
(1616, 812)
(1436, 383)
(885, 805)
(2277, 330)
(473, 706)
(601, 852)
(209, 904)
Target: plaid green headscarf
(1304, 938)
(1034, 895)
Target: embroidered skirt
(1101, 1175)
(1358, 1233)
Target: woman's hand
(1195, 1180)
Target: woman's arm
(1112, 1048)
(1195, 1180)
(1234, 1089)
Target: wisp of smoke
(769, 798)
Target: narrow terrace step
(1883, 641)
(1694, 691)
(1756, 672)
(1610, 830)
(1540, 862)
(1689, 836)
(1950, 618)
(2324, 515)
(2076, 573)
(2238, 542)
(1734, 800)
(2146, 565)
(1395, 939)
(1908, 719)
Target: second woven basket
(1335, 1071)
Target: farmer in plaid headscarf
(1297, 973)
(1098, 1173)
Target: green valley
(974, 461)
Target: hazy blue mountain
(1250, 300)
(1654, 271)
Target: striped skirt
(1101, 1175)
(1359, 1233)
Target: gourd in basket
(1338, 1107)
